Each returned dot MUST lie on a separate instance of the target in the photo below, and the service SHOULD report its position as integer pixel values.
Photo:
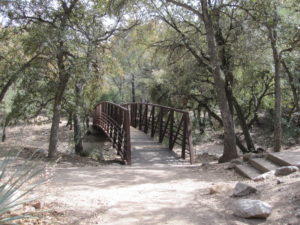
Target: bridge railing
(114, 120)
(172, 125)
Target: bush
(17, 180)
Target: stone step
(262, 164)
(247, 170)
(285, 158)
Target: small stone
(247, 156)
(264, 176)
(248, 208)
(242, 189)
(37, 205)
(291, 141)
(286, 170)
(279, 181)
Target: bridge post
(171, 129)
(153, 121)
(190, 142)
(146, 119)
(184, 137)
(140, 116)
(127, 137)
(161, 115)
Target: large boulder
(242, 189)
(285, 170)
(248, 208)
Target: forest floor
(98, 190)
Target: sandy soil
(90, 191)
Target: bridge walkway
(147, 151)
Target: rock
(218, 188)
(264, 176)
(285, 170)
(37, 205)
(247, 156)
(279, 181)
(242, 189)
(260, 150)
(250, 155)
(291, 141)
(248, 208)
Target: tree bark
(70, 120)
(63, 75)
(77, 134)
(230, 151)
(76, 119)
(63, 81)
(243, 123)
(277, 81)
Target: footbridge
(131, 125)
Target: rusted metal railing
(164, 123)
(114, 120)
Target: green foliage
(16, 182)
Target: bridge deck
(147, 151)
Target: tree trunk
(77, 134)
(87, 122)
(293, 87)
(230, 151)
(63, 81)
(70, 120)
(243, 123)
(76, 117)
(277, 81)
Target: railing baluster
(184, 137)
(161, 115)
(140, 116)
(146, 119)
(171, 129)
(127, 137)
(153, 121)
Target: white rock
(248, 208)
(264, 176)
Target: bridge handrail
(157, 105)
(114, 121)
(111, 103)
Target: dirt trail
(84, 191)
(116, 195)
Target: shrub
(17, 180)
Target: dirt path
(85, 191)
(116, 195)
